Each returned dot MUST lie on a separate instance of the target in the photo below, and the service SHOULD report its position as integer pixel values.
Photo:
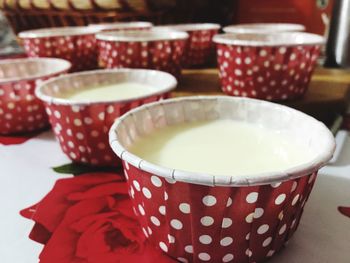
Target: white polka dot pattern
(194, 218)
(20, 110)
(160, 55)
(270, 73)
(80, 50)
(199, 48)
(82, 131)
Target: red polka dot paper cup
(75, 44)
(267, 66)
(20, 110)
(82, 127)
(196, 217)
(200, 49)
(264, 28)
(135, 25)
(161, 50)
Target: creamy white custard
(119, 91)
(221, 147)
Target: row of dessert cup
(269, 65)
(74, 43)
(97, 45)
(229, 211)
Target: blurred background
(19, 15)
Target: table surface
(324, 234)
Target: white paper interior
(270, 39)
(121, 25)
(137, 35)
(61, 86)
(264, 27)
(12, 70)
(190, 27)
(58, 31)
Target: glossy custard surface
(221, 147)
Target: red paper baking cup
(75, 44)
(264, 28)
(199, 49)
(116, 26)
(20, 110)
(82, 128)
(197, 217)
(142, 49)
(267, 66)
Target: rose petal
(61, 245)
(29, 212)
(101, 190)
(124, 207)
(82, 224)
(57, 197)
(344, 210)
(149, 254)
(19, 139)
(92, 241)
(40, 234)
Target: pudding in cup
(83, 106)
(190, 204)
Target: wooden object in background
(24, 15)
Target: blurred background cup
(81, 127)
(75, 44)
(20, 110)
(151, 49)
(264, 28)
(268, 66)
(200, 49)
(119, 26)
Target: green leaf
(77, 169)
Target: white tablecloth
(26, 176)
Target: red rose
(89, 219)
(344, 210)
(18, 139)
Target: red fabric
(344, 210)
(17, 139)
(89, 219)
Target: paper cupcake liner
(270, 73)
(82, 131)
(82, 128)
(264, 28)
(164, 55)
(195, 223)
(211, 218)
(252, 65)
(20, 110)
(200, 48)
(115, 26)
(80, 50)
